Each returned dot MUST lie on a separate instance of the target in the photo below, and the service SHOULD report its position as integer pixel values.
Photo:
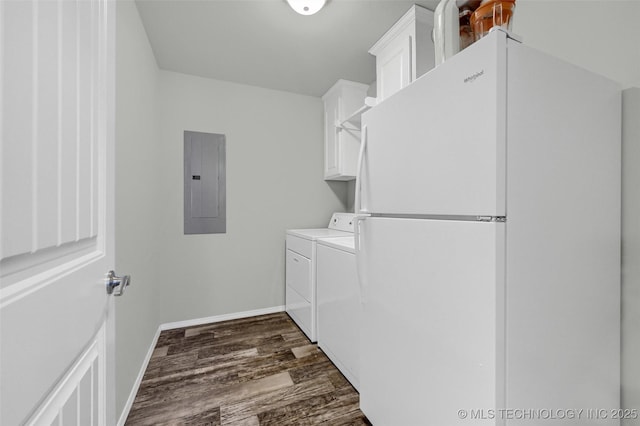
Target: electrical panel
(204, 183)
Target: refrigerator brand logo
(473, 77)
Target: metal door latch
(116, 285)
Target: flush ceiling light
(306, 7)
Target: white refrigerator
(488, 244)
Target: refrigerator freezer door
(438, 146)
(432, 328)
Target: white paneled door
(57, 89)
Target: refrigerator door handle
(359, 261)
(363, 146)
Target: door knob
(116, 285)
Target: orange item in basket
(491, 14)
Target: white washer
(339, 306)
(301, 269)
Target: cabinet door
(331, 135)
(342, 142)
(394, 66)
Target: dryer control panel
(342, 222)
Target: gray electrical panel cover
(204, 183)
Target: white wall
(601, 36)
(274, 182)
(631, 251)
(138, 195)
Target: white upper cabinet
(405, 52)
(342, 129)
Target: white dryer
(339, 306)
(301, 267)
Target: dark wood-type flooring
(252, 371)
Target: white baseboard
(219, 318)
(181, 324)
(136, 384)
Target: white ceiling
(265, 43)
